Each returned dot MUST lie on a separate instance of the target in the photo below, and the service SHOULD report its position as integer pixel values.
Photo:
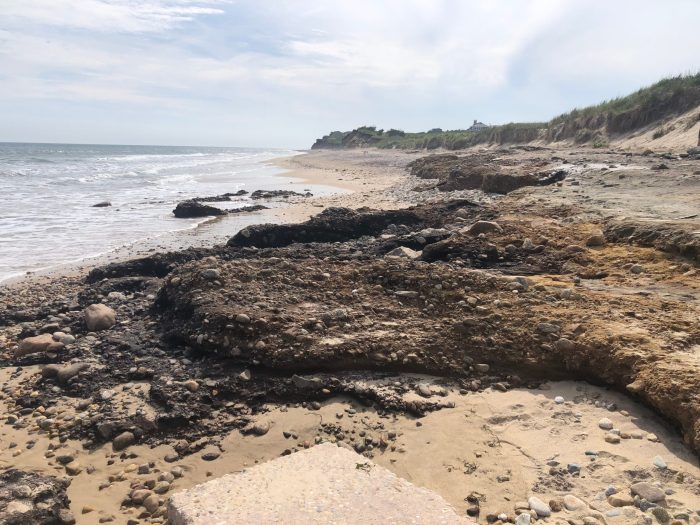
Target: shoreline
(210, 231)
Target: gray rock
(123, 440)
(648, 492)
(307, 383)
(540, 507)
(210, 274)
(659, 462)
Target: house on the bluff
(478, 126)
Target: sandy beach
(486, 443)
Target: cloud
(130, 16)
(303, 68)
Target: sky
(282, 73)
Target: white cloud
(410, 63)
(109, 15)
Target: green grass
(647, 96)
(649, 105)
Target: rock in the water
(34, 345)
(540, 507)
(103, 204)
(99, 317)
(192, 209)
(123, 440)
(648, 492)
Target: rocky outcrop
(479, 172)
(332, 225)
(193, 209)
(272, 194)
(221, 198)
(675, 238)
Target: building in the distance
(478, 126)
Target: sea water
(47, 193)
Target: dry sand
(496, 445)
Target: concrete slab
(325, 484)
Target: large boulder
(99, 317)
(35, 345)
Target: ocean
(47, 193)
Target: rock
(243, 319)
(620, 500)
(103, 204)
(191, 385)
(404, 252)
(637, 268)
(484, 227)
(661, 514)
(259, 428)
(659, 462)
(573, 503)
(68, 372)
(331, 225)
(558, 400)
(605, 424)
(540, 507)
(245, 375)
(139, 495)
(151, 503)
(34, 345)
(482, 367)
(192, 209)
(565, 345)
(163, 486)
(307, 383)
(210, 274)
(556, 505)
(612, 438)
(171, 457)
(123, 440)
(99, 317)
(210, 456)
(74, 468)
(523, 519)
(597, 238)
(648, 492)
(65, 517)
